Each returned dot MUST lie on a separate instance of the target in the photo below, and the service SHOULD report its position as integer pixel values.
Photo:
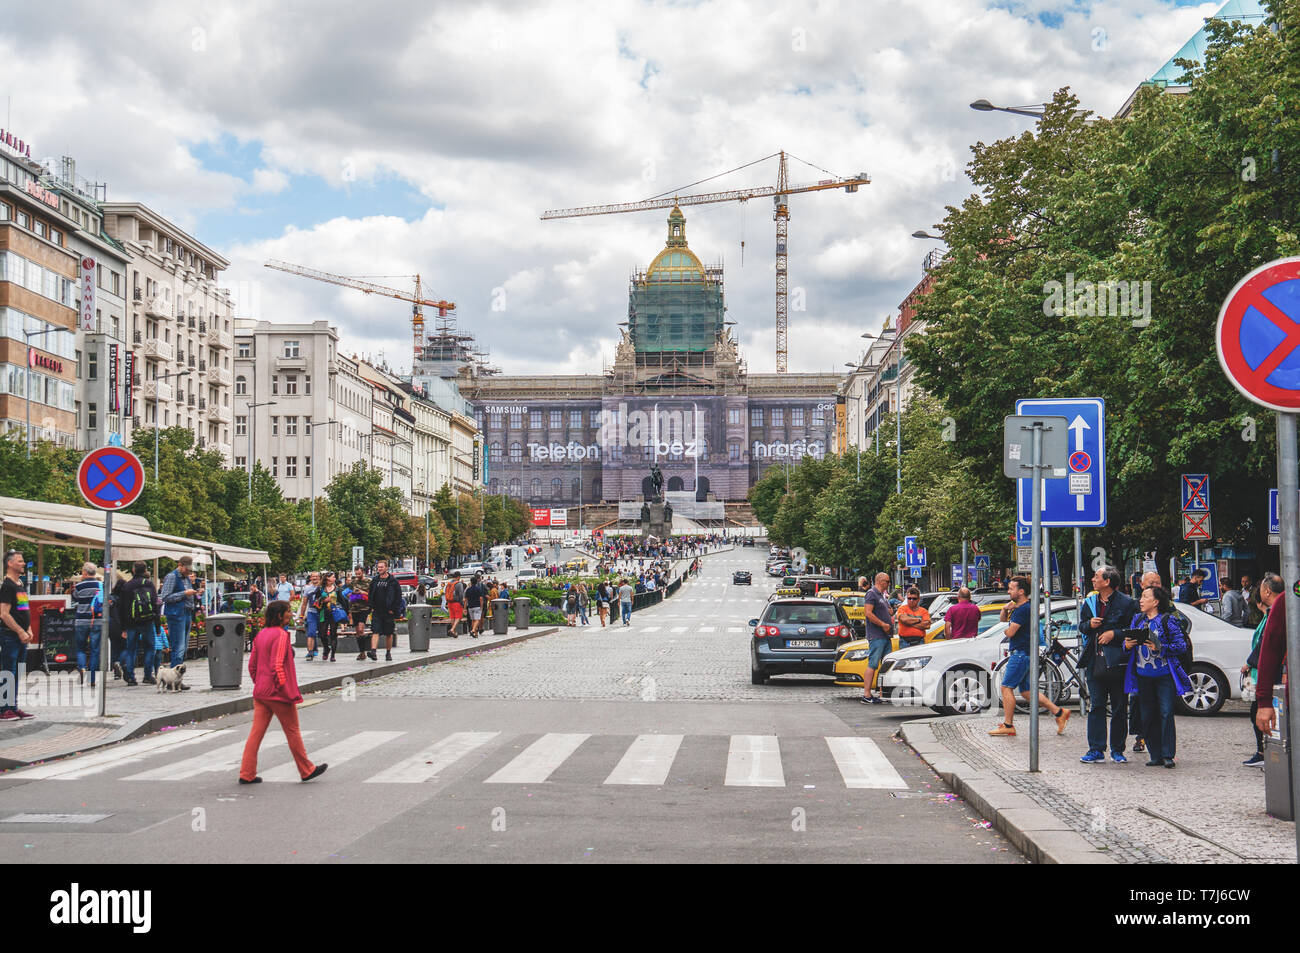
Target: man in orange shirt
(913, 621)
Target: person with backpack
(1155, 671)
(138, 609)
(387, 605)
(179, 598)
(85, 593)
(275, 693)
(1103, 661)
(357, 596)
(474, 597)
(455, 596)
(327, 603)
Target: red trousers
(287, 712)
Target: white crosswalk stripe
(754, 761)
(539, 760)
(224, 759)
(647, 760)
(678, 629)
(439, 756)
(72, 769)
(736, 629)
(862, 764)
(338, 753)
(706, 628)
(650, 628)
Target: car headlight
(911, 664)
(857, 655)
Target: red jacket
(271, 666)
(1272, 652)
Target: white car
(525, 576)
(960, 676)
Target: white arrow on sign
(1077, 426)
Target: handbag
(339, 614)
(1247, 688)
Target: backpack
(140, 608)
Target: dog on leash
(169, 678)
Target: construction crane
(780, 198)
(418, 301)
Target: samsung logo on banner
(504, 409)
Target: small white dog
(169, 678)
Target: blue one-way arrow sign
(1078, 499)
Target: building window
(92, 366)
(306, 467)
(516, 453)
(535, 489)
(557, 489)
(557, 419)
(291, 349)
(494, 453)
(241, 426)
(733, 415)
(818, 417)
(306, 426)
(241, 463)
(306, 384)
(575, 419)
(275, 467)
(291, 384)
(291, 467)
(291, 426)
(616, 453)
(796, 416)
(241, 386)
(516, 420)
(514, 487)
(778, 417)
(494, 421)
(756, 416)
(535, 420)
(733, 451)
(577, 489)
(92, 417)
(494, 486)
(275, 383)
(275, 426)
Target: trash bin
(1277, 763)
(226, 634)
(522, 604)
(418, 627)
(500, 616)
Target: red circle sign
(1258, 335)
(110, 478)
(1080, 461)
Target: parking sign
(1077, 497)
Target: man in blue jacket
(1105, 614)
(178, 597)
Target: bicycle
(1058, 674)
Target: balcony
(158, 348)
(158, 307)
(220, 376)
(291, 363)
(136, 337)
(203, 328)
(193, 322)
(203, 403)
(189, 401)
(159, 390)
(190, 361)
(223, 339)
(137, 294)
(219, 414)
(203, 366)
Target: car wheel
(756, 677)
(965, 692)
(1209, 691)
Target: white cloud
(496, 112)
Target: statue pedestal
(657, 523)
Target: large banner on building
(87, 293)
(112, 378)
(546, 517)
(128, 376)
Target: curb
(1036, 832)
(147, 724)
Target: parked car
(525, 576)
(741, 578)
(798, 635)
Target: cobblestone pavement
(1209, 792)
(692, 646)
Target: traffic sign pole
(1079, 587)
(1035, 538)
(105, 641)
(1288, 495)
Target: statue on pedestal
(668, 514)
(645, 512)
(657, 481)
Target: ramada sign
(48, 363)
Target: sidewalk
(66, 721)
(1211, 808)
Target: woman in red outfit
(275, 692)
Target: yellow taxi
(577, 565)
(851, 662)
(786, 592)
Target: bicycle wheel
(1050, 684)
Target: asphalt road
(645, 743)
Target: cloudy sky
(390, 138)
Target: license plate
(803, 644)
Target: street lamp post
(252, 428)
(29, 335)
(160, 377)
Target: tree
(355, 495)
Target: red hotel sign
(43, 361)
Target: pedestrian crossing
(683, 629)
(410, 758)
